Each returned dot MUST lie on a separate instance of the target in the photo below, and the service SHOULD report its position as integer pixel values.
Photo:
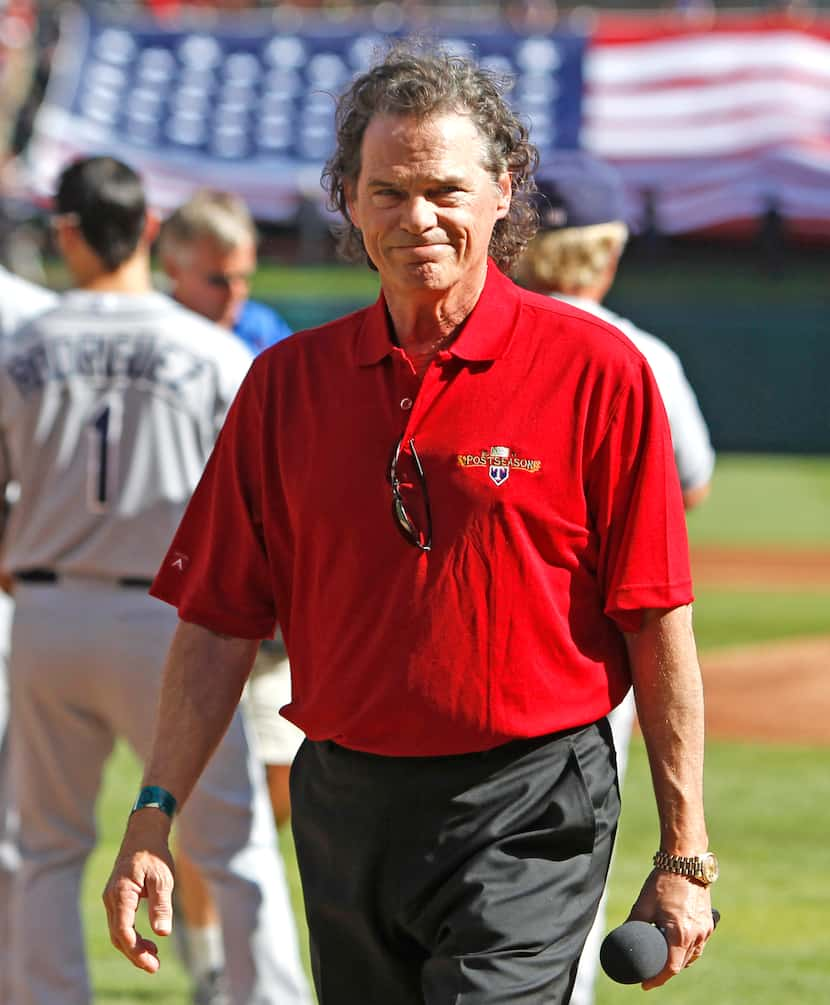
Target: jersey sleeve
(216, 570)
(637, 507)
(235, 363)
(693, 452)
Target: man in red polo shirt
(461, 504)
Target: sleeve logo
(499, 461)
(179, 561)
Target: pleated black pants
(458, 880)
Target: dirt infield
(773, 691)
(768, 569)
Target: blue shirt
(259, 326)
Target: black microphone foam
(636, 951)
(633, 953)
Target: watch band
(157, 798)
(702, 868)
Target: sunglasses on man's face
(224, 280)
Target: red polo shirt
(556, 510)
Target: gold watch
(701, 868)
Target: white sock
(205, 950)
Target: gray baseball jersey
(20, 301)
(110, 405)
(693, 452)
(122, 396)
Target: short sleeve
(637, 508)
(260, 327)
(693, 452)
(216, 570)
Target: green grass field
(767, 805)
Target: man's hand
(143, 868)
(680, 907)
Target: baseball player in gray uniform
(20, 301)
(109, 406)
(574, 257)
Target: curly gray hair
(416, 81)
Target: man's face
(213, 282)
(425, 205)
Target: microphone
(636, 951)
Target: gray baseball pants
(85, 669)
(8, 847)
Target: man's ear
(152, 223)
(67, 237)
(505, 186)
(350, 192)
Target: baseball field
(761, 554)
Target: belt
(44, 576)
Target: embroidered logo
(499, 461)
(180, 561)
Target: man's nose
(418, 215)
(239, 286)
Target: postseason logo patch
(499, 461)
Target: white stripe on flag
(706, 56)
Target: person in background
(20, 301)
(461, 505)
(574, 257)
(207, 249)
(109, 406)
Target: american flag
(719, 121)
(711, 123)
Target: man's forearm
(669, 693)
(203, 681)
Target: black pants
(458, 880)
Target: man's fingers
(121, 901)
(683, 951)
(694, 955)
(674, 964)
(131, 880)
(121, 898)
(159, 889)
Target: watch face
(710, 867)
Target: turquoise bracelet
(157, 798)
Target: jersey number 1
(103, 436)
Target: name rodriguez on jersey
(126, 357)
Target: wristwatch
(156, 798)
(701, 868)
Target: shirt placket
(417, 396)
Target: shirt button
(406, 404)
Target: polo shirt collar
(486, 334)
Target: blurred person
(460, 504)
(109, 405)
(207, 248)
(574, 257)
(20, 301)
